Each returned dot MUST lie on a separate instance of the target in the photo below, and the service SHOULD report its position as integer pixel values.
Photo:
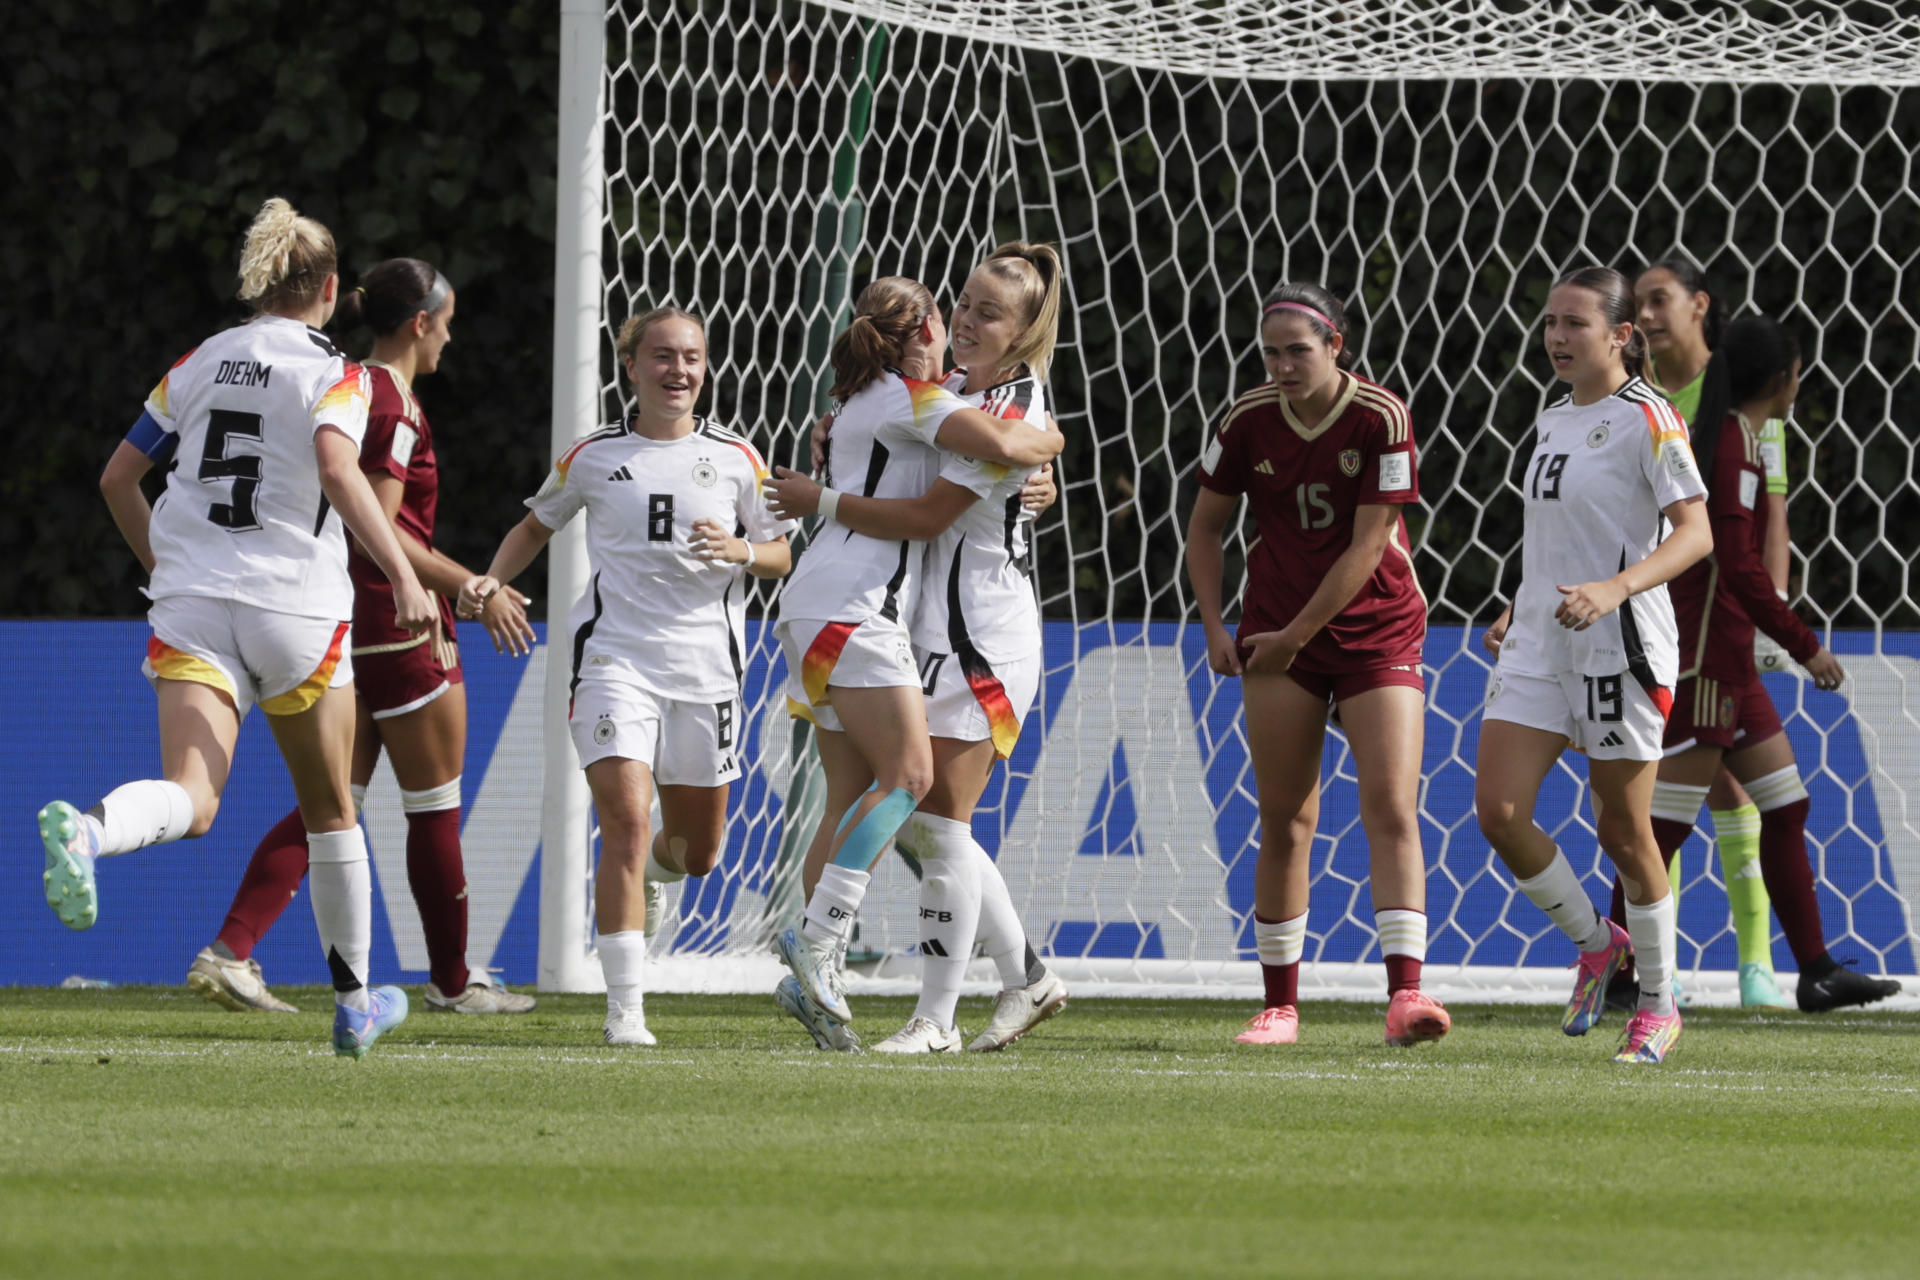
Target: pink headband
(1303, 309)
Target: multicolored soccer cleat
(1279, 1024)
(71, 849)
(354, 1032)
(1414, 1017)
(1759, 989)
(1648, 1037)
(1590, 979)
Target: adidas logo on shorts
(1613, 739)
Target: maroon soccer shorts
(1337, 688)
(1728, 714)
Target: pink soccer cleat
(1590, 980)
(1648, 1037)
(1278, 1025)
(1415, 1016)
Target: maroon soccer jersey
(398, 444)
(1303, 485)
(1717, 642)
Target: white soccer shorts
(282, 661)
(971, 700)
(684, 744)
(1607, 717)
(875, 654)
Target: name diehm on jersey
(242, 373)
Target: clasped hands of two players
(501, 610)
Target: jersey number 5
(224, 427)
(1313, 496)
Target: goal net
(1435, 164)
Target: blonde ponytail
(286, 259)
(1033, 269)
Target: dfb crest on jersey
(704, 475)
(1350, 462)
(1597, 436)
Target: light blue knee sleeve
(864, 843)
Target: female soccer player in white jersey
(411, 693)
(251, 598)
(976, 632)
(1588, 651)
(658, 638)
(1332, 620)
(845, 617)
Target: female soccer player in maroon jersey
(1332, 618)
(1721, 711)
(412, 699)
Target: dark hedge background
(142, 136)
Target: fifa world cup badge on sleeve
(1396, 471)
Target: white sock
(623, 959)
(949, 912)
(658, 872)
(835, 901)
(1653, 929)
(342, 893)
(1280, 942)
(1402, 932)
(137, 814)
(1002, 936)
(1558, 892)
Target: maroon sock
(1403, 974)
(1789, 880)
(438, 878)
(272, 878)
(1283, 983)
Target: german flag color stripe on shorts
(816, 669)
(1002, 721)
(169, 663)
(309, 691)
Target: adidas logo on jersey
(1265, 468)
(1613, 739)
(621, 474)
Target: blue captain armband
(152, 439)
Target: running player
(1588, 654)
(412, 699)
(1722, 713)
(1332, 620)
(976, 633)
(659, 637)
(1680, 317)
(251, 597)
(845, 617)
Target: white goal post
(1433, 162)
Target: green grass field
(145, 1133)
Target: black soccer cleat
(1841, 988)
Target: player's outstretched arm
(346, 487)
(1690, 542)
(1011, 442)
(791, 496)
(120, 486)
(1206, 567)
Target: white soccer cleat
(660, 913)
(826, 1033)
(628, 1025)
(1019, 1010)
(482, 995)
(233, 984)
(817, 967)
(922, 1035)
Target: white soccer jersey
(1595, 487)
(654, 613)
(978, 588)
(881, 446)
(242, 517)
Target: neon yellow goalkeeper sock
(1736, 833)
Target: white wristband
(749, 559)
(1783, 595)
(829, 503)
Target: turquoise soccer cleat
(354, 1032)
(71, 850)
(1759, 989)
